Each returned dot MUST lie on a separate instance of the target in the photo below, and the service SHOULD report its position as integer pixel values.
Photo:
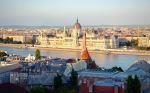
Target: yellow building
(144, 41)
(21, 38)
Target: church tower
(85, 57)
(84, 52)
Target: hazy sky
(65, 12)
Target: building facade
(144, 42)
(74, 40)
(21, 38)
(99, 82)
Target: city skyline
(65, 12)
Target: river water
(107, 61)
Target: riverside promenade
(104, 51)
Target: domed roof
(77, 25)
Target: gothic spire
(77, 19)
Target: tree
(9, 40)
(129, 88)
(128, 43)
(58, 88)
(2, 54)
(37, 54)
(137, 85)
(134, 43)
(57, 83)
(74, 79)
(133, 85)
(119, 69)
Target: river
(107, 61)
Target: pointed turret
(77, 19)
(64, 33)
(84, 53)
(77, 25)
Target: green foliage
(133, 85)
(119, 69)
(129, 88)
(134, 43)
(128, 43)
(30, 42)
(39, 90)
(17, 42)
(143, 48)
(57, 82)
(2, 54)
(137, 84)
(9, 40)
(59, 88)
(74, 79)
(37, 54)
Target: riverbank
(106, 51)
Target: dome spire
(77, 25)
(77, 19)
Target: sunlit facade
(74, 41)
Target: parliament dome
(77, 25)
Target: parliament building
(74, 40)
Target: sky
(65, 12)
